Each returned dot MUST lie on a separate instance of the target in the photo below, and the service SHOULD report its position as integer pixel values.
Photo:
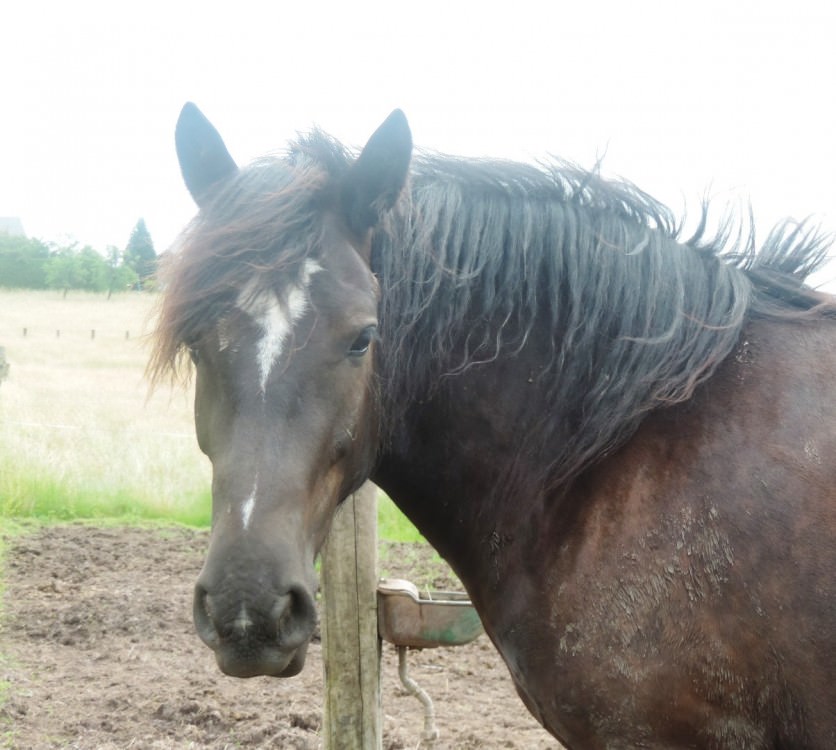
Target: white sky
(735, 98)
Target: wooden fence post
(4, 365)
(350, 642)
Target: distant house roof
(12, 225)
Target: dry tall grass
(79, 433)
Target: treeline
(31, 264)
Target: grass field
(81, 436)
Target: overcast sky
(734, 98)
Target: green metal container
(438, 618)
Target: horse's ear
(204, 159)
(375, 180)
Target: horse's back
(697, 593)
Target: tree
(60, 268)
(32, 264)
(91, 270)
(140, 254)
(120, 275)
(22, 262)
(71, 267)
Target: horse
(620, 437)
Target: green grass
(80, 436)
(47, 498)
(392, 525)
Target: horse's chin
(271, 662)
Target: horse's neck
(469, 464)
(496, 389)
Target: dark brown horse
(622, 440)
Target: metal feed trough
(409, 620)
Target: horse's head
(281, 331)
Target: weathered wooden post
(350, 642)
(4, 365)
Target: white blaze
(275, 320)
(248, 507)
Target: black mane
(484, 257)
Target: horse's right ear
(204, 159)
(375, 180)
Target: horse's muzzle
(267, 636)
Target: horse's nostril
(281, 612)
(295, 617)
(203, 618)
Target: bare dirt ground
(98, 651)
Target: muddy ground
(98, 651)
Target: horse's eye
(363, 342)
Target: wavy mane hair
(482, 257)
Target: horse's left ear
(375, 180)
